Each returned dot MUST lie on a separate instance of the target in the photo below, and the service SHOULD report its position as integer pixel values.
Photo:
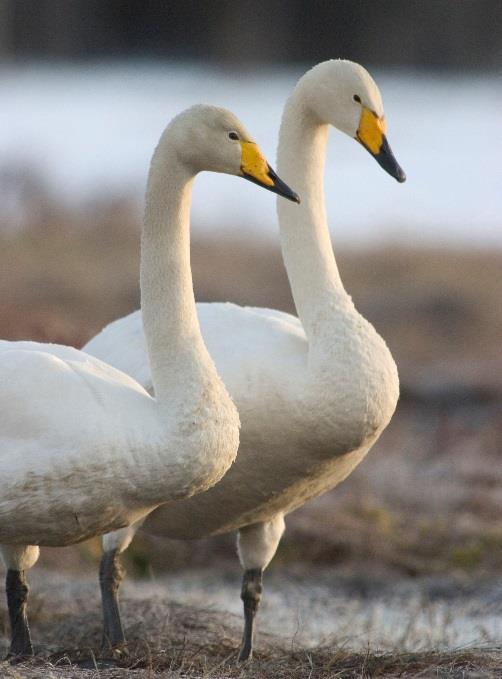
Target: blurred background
(412, 541)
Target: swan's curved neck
(178, 357)
(305, 240)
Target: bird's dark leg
(111, 574)
(17, 597)
(251, 596)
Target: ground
(172, 639)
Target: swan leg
(256, 545)
(18, 560)
(111, 574)
(17, 589)
(252, 587)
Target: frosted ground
(403, 614)
(91, 128)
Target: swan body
(84, 447)
(299, 436)
(314, 393)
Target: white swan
(84, 448)
(313, 394)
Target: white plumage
(313, 394)
(84, 448)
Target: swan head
(343, 94)
(211, 138)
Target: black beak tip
(281, 188)
(385, 158)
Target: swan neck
(178, 357)
(305, 240)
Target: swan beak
(371, 134)
(255, 168)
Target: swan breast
(354, 384)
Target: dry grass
(170, 640)
(312, 664)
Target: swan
(314, 393)
(84, 448)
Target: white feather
(313, 396)
(84, 448)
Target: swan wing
(77, 358)
(61, 397)
(250, 346)
(66, 420)
(122, 344)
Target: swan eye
(233, 135)
(357, 98)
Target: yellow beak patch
(371, 131)
(253, 163)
